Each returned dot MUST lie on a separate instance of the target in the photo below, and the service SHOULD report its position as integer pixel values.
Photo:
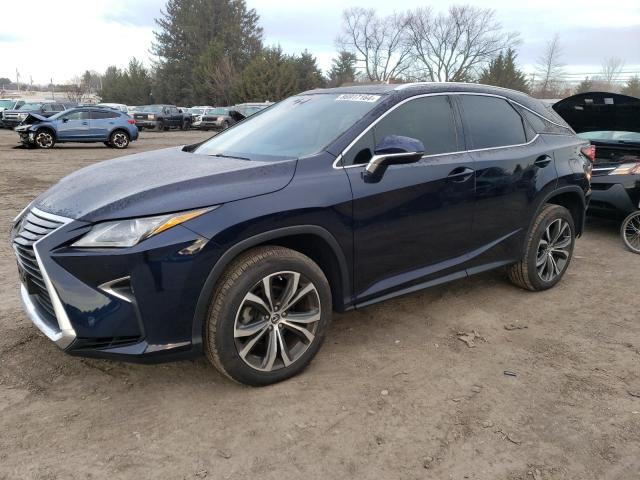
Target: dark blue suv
(80, 125)
(242, 246)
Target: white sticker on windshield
(358, 97)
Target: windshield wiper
(222, 155)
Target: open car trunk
(610, 121)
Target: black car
(242, 246)
(13, 118)
(161, 117)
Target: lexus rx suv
(241, 247)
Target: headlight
(627, 169)
(152, 117)
(127, 233)
(22, 116)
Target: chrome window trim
(66, 335)
(406, 100)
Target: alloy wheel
(277, 321)
(553, 250)
(44, 140)
(631, 232)
(120, 140)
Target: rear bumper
(614, 195)
(146, 123)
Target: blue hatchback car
(84, 124)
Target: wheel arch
(573, 199)
(49, 128)
(311, 240)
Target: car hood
(596, 111)
(161, 181)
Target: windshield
(248, 111)
(611, 136)
(150, 108)
(196, 111)
(297, 127)
(30, 106)
(217, 111)
(6, 103)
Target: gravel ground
(393, 394)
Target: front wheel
(268, 316)
(630, 232)
(119, 139)
(548, 250)
(44, 139)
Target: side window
(491, 122)
(77, 115)
(166, 110)
(429, 119)
(361, 151)
(47, 107)
(100, 115)
(174, 111)
(57, 107)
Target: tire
(244, 356)
(160, 126)
(630, 232)
(186, 125)
(44, 139)
(546, 257)
(119, 139)
(225, 125)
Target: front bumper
(11, 123)
(139, 305)
(146, 123)
(614, 195)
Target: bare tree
(77, 91)
(452, 47)
(611, 70)
(379, 43)
(550, 69)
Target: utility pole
(30, 83)
(18, 79)
(53, 90)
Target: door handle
(542, 161)
(460, 174)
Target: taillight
(589, 152)
(131, 121)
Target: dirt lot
(394, 394)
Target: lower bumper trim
(62, 338)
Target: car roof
(406, 90)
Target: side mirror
(394, 150)
(65, 120)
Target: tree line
(212, 52)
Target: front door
(414, 224)
(74, 125)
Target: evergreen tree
(343, 69)
(131, 86)
(502, 72)
(271, 75)
(585, 86)
(309, 75)
(193, 37)
(632, 88)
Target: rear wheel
(548, 250)
(160, 126)
(630, 232)
(119, 139)
(44, 139)
(268, 316)
(186, 125)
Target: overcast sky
(60, 39)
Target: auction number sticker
(357, 97)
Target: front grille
(32, 228)
(140, 117)
(209, 119)
(10, 116)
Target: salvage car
(116, 106)
(13, 118)
(9, 104)
(218, 118)
(333, 199)
(161, 117)
(611, 122)
(79, 125)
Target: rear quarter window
(491, 122)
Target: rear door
(414, 225)
(74, 125)
(512, 168)
(102, 122)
